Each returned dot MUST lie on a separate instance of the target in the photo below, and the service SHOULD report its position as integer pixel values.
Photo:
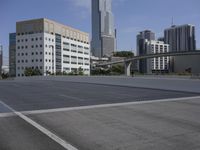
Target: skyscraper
(103, 32)
(180, 38)
(12, 54)
(142, 37)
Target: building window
(40, 45)
(40, 53)
(32, 39)
(40, 38)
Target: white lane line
(3, 115)
(54, 137)
(107, 105)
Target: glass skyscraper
(103, 31)
(181, 38)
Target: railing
(183, 53)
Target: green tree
(117, 69)
(32, 72)
(80, 71)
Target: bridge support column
(127, 67)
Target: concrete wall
(181, 63)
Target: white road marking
(54, 137)
(106, 105)
(3, 115)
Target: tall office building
(142, 48)
(103, 32)
(12, 54)
(50, 47)
(1, 58)
(180, 38)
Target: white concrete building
(51, 47)
(161, 64)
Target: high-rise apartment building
(50, 47)
(1, 58)
(12, 54)
(142, 37)
(180, 38)
(103, 32)
(160, 64)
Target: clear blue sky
(131, 16)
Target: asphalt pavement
(40, 114)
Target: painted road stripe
(54, 137)
(10, 114)
(107, 105)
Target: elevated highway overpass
(128, 61)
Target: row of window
(52, 34)
(23, 68)
(33, 53)
(26, 61)
(41, 60)
(75, 63)
(32, 39)
(73, 45)
(32, 46)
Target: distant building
(103, 33)
(161, 39)
(160, 64)
(50, 47)
(1, 58)
(142, 37)
(12, 54)
(180, 38)
(5, 69)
